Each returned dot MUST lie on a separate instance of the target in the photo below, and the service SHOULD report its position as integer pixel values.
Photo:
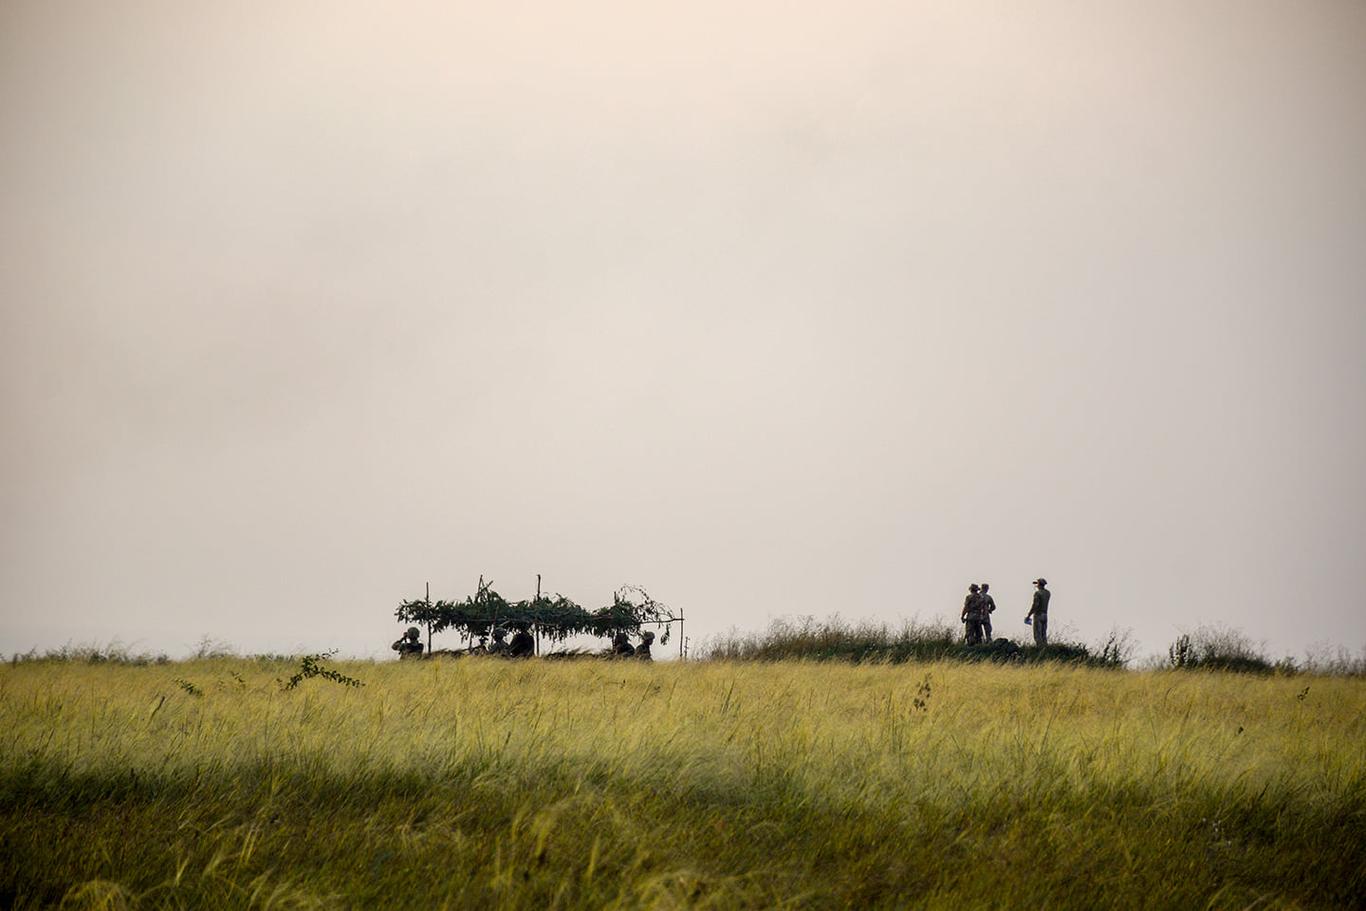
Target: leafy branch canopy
(555, 617)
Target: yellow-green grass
(487, 783)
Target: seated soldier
(643, 650)
(410, 646)
(498, 646)
(621, 646)
(522, 645)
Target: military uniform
(643, 650)
(410, 646)
(972, 616)
(1039, 612)
(988, 606)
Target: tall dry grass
(482, 783)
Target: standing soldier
(972, 615)
(1038, 612)
(988, 605)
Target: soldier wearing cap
(1038, 612)
(621, 645)
(499, 646)
(643, 650)
(972, 615)
(410, 646)
(988, 606)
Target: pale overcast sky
(774, 308)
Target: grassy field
(491, 784)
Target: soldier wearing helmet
(410, 645)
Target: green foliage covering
(555, 617)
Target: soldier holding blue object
(1038, 612)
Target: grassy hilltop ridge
(483, 783)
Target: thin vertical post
(429, 618)
(680, 633)
(537, 602)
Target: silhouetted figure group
(975, 615)
(523, 645)
(622, 647)
(979, 606)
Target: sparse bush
(113, 653)
(1118, 648)
(209, 647)
(1329, 660)
(312, 666)
(1214, 648)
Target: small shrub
(1118, 648)
(312, 666)
(209, 647)
(1219, 649)
(113, 653)
(1328, 660)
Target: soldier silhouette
(410, 645)
(988, 606)
(1038, 612)
(522, 644)
(972, 615)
